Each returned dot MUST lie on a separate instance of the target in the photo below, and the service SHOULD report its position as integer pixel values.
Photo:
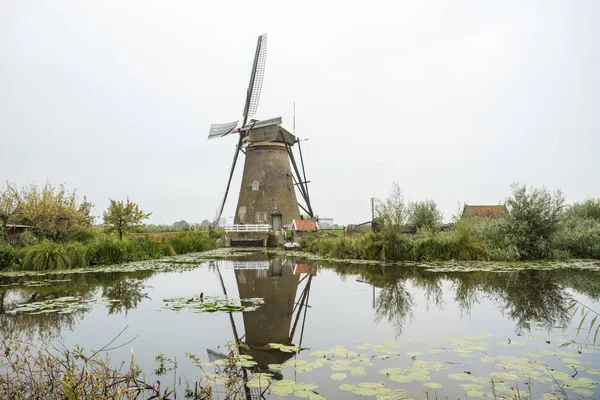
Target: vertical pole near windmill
(372, 209)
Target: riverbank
(103, 249)
(469, 240)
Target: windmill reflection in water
(281, 318)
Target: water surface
(402, 328)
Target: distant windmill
(267, 193)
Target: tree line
(56, 213)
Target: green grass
(334, 232)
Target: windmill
(267, 193)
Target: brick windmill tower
(271, 174)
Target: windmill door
(276, 219)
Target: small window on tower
(255, 186)
(261, 217)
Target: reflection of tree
(523, 296)
(393, 303)
(26, 326)
(128, 292)
(466, 289)
(126, 287)
(586, 282)
(532, 295)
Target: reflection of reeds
(577, 307)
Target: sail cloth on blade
(220, 130)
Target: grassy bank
(103, 249)
(532, 224)
(470, 239)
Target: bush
(49, 255)
(216, 233)
(107, 249)
(189, 242)
(8, 257)
(424, 214)
(147, 247)
(28, 238)
(393, 246)
(577, 237)
(53, 212)
(589, 209)
(534, 217)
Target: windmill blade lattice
(259, 76)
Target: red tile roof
(305, 269)
(496, 211)
(305, 225)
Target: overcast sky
(451, 100)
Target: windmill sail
(256, 78)
(222, 205)
(220, 130)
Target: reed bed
(103, 249)
(471, 239)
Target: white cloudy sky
(453, 100)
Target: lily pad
(593, 371)
(200, 303)
(584, 392)
(400, 378)
(303, 394)
(435, 351)
(504, 376)
(338, 376)
(289, 349)
(347, 387)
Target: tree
(424, 214)
(9, 203)
(391, 213)
(122, 216)
(53, 212)
(533, 218)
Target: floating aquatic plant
(209, 304)
(338, 376)
(61, 305)
(284, 348)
